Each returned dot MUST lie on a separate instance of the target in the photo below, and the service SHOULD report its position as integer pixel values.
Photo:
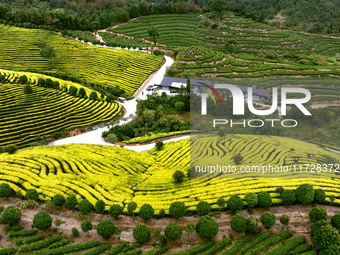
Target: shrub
(173, 231)
(75, 232)
(203, 208)
(106, 229)
(251, 199)
(252, 226)
(11, 215)
(159, 145)
(10, 149)
(320, 196)
(305, 194)
(115, 210)
(221, 202)
(86, 226)
(71, 202)
(99, 206)
(93, 96)
(207, 227)
(288, 197)
(110, 98)
(58, 200)
(327, 236)
(55, 85)
(28, 89)
(85, 206)
(317, 214)
(284, 219)
(23, 79)
(32, 194)
(141, 233)
(268, 219)
(5, 190)
(235, 203)
(317, 225)
(335, 221)
(146, 212)
(238, 223)
(177, 210)
(265, 200)
(131, 207)
(42, 221)
(49, 83)
(180, 106)
(178, 176)
(237, 159)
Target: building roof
(167, 81)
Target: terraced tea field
(20, 50)
(118, 175)
(254, 49)
(46, 110)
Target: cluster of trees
(156, 114)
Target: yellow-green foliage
(20, 50)
(13, 76)
(46, 111)
(118, 175)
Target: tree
(32, 194)
(252, 226)
(10, 149)
(159, 145)
(188, 87)
(41, 82)
(11, 215)
(28, 89)
(86, 226)
(268, 219)
(335, 221)
(58, 200)
(221, 203)
(23, 79)
(131, 207)
(106, 228)
(178, 176)
(73, 91)
(85, 206)
(327, 236)
(5, 190)
(173, 231)
(265, 200)
(42, 221)
(207, 227)
(235, 203)
(49, 83)
(316, 226)
(141, 233)
(305, 194)
(115, 210)
(93, 96)
(284, 219)
(320, 196)
(159, 237)
(288, 197)
(203, 208)
(71, 202)
(146, 212)
(75, 232)
(317, 214)
(99, 206)
(251, 199)
(48, 52)
(153, 32)
(238, 223)
(177, 209)
(82, 93)
(217, 7)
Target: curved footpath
(95, 136)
